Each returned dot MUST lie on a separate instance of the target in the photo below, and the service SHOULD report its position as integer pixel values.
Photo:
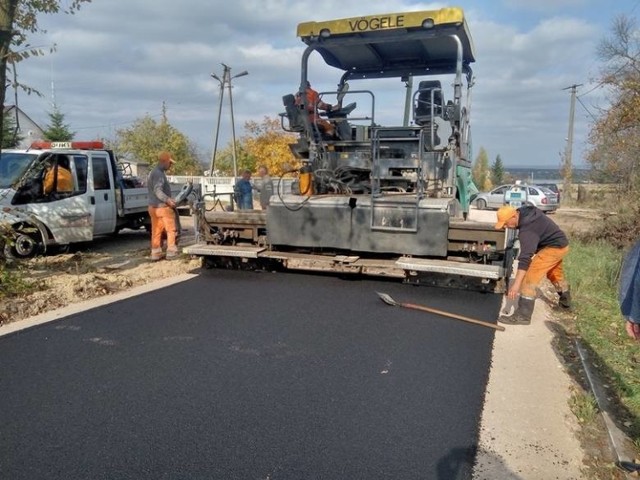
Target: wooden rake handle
(452, 315)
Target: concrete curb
(528, 431)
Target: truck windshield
(13, 165)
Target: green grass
(13, 282)
(584, 407)
(593, 270)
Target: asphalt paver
(247, 375)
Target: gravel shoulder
(528, 430)
(527, 423)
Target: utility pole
(225, 82)
(567, 167)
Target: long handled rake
(386, 298)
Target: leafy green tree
(10, 136)
(147, 137)
(481, 172)
(223, 163)
(19, 19)
(497, 171)
(57, 130)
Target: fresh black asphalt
(245, 375)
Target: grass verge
(584, 407)
(13, 282)
(593, 269)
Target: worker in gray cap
(161, 209)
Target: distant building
(29, 130)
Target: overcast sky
(118, 60)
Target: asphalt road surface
(244, 375)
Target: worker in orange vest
(313, 103)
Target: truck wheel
(481, 204)
(24, 246)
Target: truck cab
(58, 193)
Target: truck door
(61, 206)
(103, 194)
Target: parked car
(551, 186)
(541, 197)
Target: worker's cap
(165, 156)
(504, 214)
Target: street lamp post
(226, 82)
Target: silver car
(541, 197)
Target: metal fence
(224, 185)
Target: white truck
(100, 200)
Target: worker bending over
(543, 246)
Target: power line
(594, 88)
(603, 81)
(117, 124)
(622, 67)
(587, 110)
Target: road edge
(73, 308)
(527, 430)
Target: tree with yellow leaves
(268, 144)
(481, 171)
(264, 143)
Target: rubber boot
(523, 314)
(565, 299)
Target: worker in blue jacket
(244, 191)
(630, 291)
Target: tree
(615, 136)
(481, 173)
(264, 144)
(497, 171)
(57, 130)
(10, 136)
(223, 163)
(147, 137)
(269, 145)
(18, 19)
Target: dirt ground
(113, 264)
(105, 266)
